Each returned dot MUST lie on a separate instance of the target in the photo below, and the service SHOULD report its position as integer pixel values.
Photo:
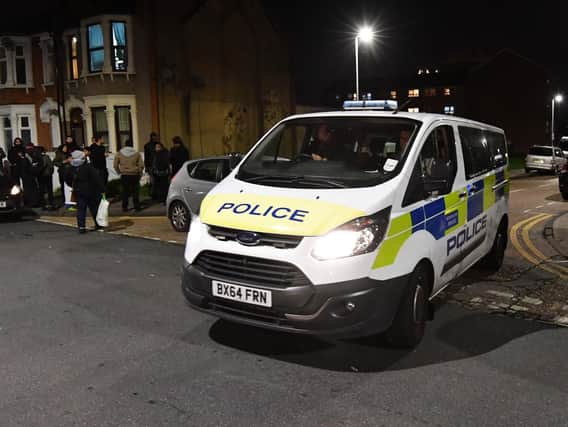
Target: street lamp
(365, 34)
(557, 99)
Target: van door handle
(187, 189)
(500, 185)
(463, 194)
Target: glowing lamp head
(366, 34)
(559, 98)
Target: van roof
(426, 118)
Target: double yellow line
(531, 253)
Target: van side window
(437, 163)
(497, 148)
(476, 153)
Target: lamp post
(555, 99)
(364, 34)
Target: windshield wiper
(296, 179)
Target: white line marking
(527, 211)
(550, 203)
(538, 207)
(516, 191)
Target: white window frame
(109, 102)
(45, 42)
(26, 43)
(6, 61)
(105, 22)
(15, 112)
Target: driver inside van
(322, 146)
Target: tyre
(565, 195)
(527, 170)
(180, 216)
(494, 259)
(409, 322)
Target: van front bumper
(311, 309)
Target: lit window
(420, 71)
(447, 91)
(96, 48)
(3, 66)
(413, 93)
(74, 57)
(393, 94)
(430, 92)
(123, 126)
(414, 110)
(20, 66)
(449, 109)
(118, 54)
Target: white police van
(348, 223)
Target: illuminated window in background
(449, 109)
(123, 124)
(393, 94)
(118, 54)
(413, 93)
(74, 57)
(20, 66)
(96, 48)
(414, 110)
(3, 66)
(430, 92)
(447, 91)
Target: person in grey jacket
(129, 165)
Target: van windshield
(331, 152)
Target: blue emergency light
(384, 105)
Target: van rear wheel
(409, 323)
(494, 259)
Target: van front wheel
(409, 323)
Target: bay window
(3, 66)
(119, 54)
(20, 65)
(74, 68)
(100, 125)
(123, 123)
(96, 48)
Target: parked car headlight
(15, 190)
(359, 236)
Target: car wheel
(409, 323)
(493, 261)
(180, 216)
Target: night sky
(410, 33)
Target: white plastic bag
(102, 213)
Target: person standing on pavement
(16, 156)
(45, 180)
(97, 157)
(63, 162)
(161, 172)
(4, 164)
(128, 164)
(149, 152)
(87, 187)
(178, 154)
(30, 171)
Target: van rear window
(540, 151)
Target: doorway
(76, 126)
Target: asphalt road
(94, 331)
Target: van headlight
(15, 190)
(359, 236)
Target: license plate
(539, 161)
(2, 204)
(244, 294)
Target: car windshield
(540, 151)
(331, 152)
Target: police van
(348, 223)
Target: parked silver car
(192, 183)
(540, 158)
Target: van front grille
(250, 270)
(279, 241)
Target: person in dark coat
(45, 180)
(30, 171)
(4, 165)
(97, 156)
(87, 187)
(178, 154)
(161, 172)
(16, 156)
(149, 152)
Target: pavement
(94, 331)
